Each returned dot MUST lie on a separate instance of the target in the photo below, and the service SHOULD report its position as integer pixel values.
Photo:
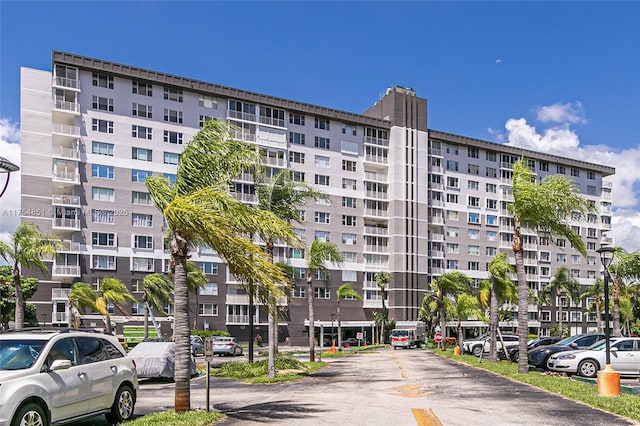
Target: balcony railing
(239, 319)
(275, 161)
(67, 106)
(437, 169)
(60, 151)
(69, 246)
(66, 270)
(66, 200)
(435, 152)
(249, 198)
(66, 223)
(60, 317)
(375, 177)
(272, 121)
(376, 212)
(376, 141)
(375, 230)
(376, 248)
(71, 83)
(377, 159)
(239, 115)
(66, 176)
(65, 129)
(378, 195)
(60, 293)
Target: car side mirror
(60, 364)
(573, 345)
(613, 349)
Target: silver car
(226, 346)
(56, 376)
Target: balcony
(65, 130)
(376, 248)
(69, 246)
(244, 136)
(375, 230)
(239, 319)
(66, 176)
(378, 159)
(271, 161)
(244, 116)
(67, 83)
(70, 224)
(271, 121)
(436, 220)
(66, 153)
(65, 200)
(375, 177)
(376, 212)
(60, 293)
(378, 195)
(436, 169)
(66, 106)
(66, 271)
(247, 198)
(435, 152)
(370, 140)
(436, 253)
(434, 236)
(372, 303)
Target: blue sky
(562, 77)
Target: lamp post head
(7, 166)
(606, 255)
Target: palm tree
(81, 296)
(544, 207)
(596, 292)
(345, 291)
(446, 287)
(500, 289)
(319, 253)
(624, 268)
(113, 291)
(466, 306)
(428, 311)
(382, 280)
(542, 298)
(284, 197)
(563, 282)
(26, 248)
(199, 210)
(157, 292)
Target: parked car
(513, 352)
(538, 356)
(226, 346)
(63, 375)
(482, 344)
(157, 360)
(624, 358)
(351, 341)
(197, 345)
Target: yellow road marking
(425, 418)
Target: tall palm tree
(625, 269)
(500, 289)
(466, 306)
(284, 197)
(26, 248)
(199, 210)
(113, 291)
(345, 291)
(319, 253)
(446, 287)
(563, 283)
(596, 292)
(428, 311)
(383, 279)
(545, 207)
(157, 292)
(81, 296)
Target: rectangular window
(453, 182)
(492, 220)
(323, 143)
(452, 165)
(474, 152)
(172, 116)
(474, 201)
(296, 157)
(170, 177)
(560, 170)
(474, 234)
(143, 264)
(348, 183)
(103, 262)
(453, 248)
(141, 154)
(322, 180)
(349, 220)
(208, 102)
(452, 198)
(242, 110)
(322, 217)
(322, 161)
(473, 250)
(349, 166)
(591, 175)
(272, 116)
(349, 256)
(296, 138)
(203, 119)
(140, 220)
(575, 172)
(296, 119)
(141, 198)
(473, 185)
(140, 175)
(102, 172)
(491, 235)
(322, 123)
(591, 190)
(102, 148)
(102, 104)
(140, 88)
(349, 239)
(141, 110)
(452, 264)
(543, 166)
(473, 169)
(102, 194)
(172, 94)
(492, 204)
(171, 158)
(491, 156)
(209, 289)
(491, 188)
(321, 293)
(209, 268)
(297, 176)
(102, 216)
(349, 202)
(473, 265)
(102, 80)
(299, 292)
(453, 215)
(452, 150)
(491, 251)
(173, 137)
(323, 236)
(102, 126)
(143, 241)
(452, 231)
(107, 239)
(141, 132)
(491, 172)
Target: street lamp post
(333, 342)
(7, 167)
(608, 379)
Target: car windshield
(19, 354)
(400, 333)
(566, 341)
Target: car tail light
(133, 361)
(229, 344)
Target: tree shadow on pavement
(264, 412)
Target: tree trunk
(19, 309)
(443, 325)
(385, 315)
(600, 325)
(182, 373)
(271, 364)
(146, 314)
(339, 325)
(616, 332)
(312, 332)
(523, 302)
(493, 324)
(251, 310)
(559, 299)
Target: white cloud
(562, 113)
(498, 61)
(562, 140)
(10, 201)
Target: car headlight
(567, 356)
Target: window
(103, 172)
(575, 259)
(560, 170)
(208, 309)
(473, 265)
(172, 116)
(296, 119)
(492, 204)
(171, 177)
(453, 182)
(140, 198)
(473, 234)
(575, 172)
(453, 248)
(473, 169)
(591, 190)
(561, 258)
(299, 292)
(296, 138)
(209, 268)
(474, 202)
(349, 220)
(140, 88)
(323, 143)
(491, 172)
(209, 289)
(348, 183)
(322, 217)
(473, 250)
(297, 176)
(452, 264)
(142, 264)
(140, 220)
(103, 80)
(544, 256)
(349, 239)
(349, 202)
(349, 166)
(453, 215)
(171, 94)
(452, 165)
(142, 154)
(349, 256)
(452, 231)
(591, 175)
(102, 194)
(491, 235)
(322, 123)
(491, 156)
(173, 137)
(102, 216)
(452, 198)
(208, 102)
(561, 242)
(474, 152)
(203, 119)
(296, 157)
(107, 239)
(452, 150)
(473, 185)
(322, 161)
(492, 220)
(103, 262)
(140, 175)
(491, 188)
(322, 236)
(141, 110)
(491, 251)
(272, 116)
(102, 104)
(321, 293)
(171, 158)
(322, 180)
(102, 148)
(141, 132)
(143, 241)
(102, 126)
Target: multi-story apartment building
(403, 198)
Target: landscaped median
(627, 404)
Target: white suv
(56, 376)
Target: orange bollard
(332, 350)
(456, 351)
(608, 382)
